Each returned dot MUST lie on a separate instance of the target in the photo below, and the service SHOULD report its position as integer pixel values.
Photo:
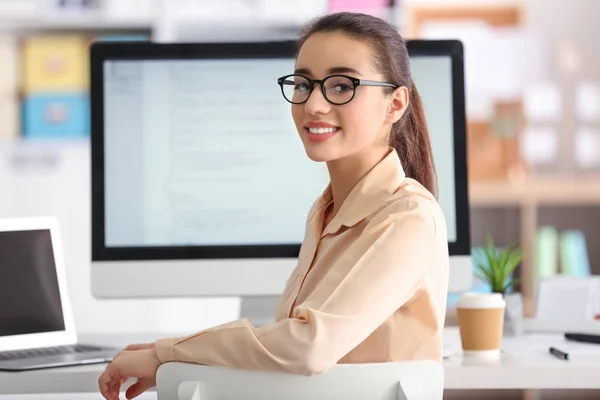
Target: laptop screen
(29, 294)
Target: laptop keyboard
(47, 351)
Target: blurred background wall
(533, 105)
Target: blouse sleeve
(368, 282)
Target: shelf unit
(74, 22)
(528, 195)
(562, 190)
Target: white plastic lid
(481, 300)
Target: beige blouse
(369, 287)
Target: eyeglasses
(337, 89)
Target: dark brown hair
(409, 136)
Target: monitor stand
(259, 310)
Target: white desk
(524, 364)
(70, 396)
(80, 379)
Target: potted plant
(496, 267)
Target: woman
(372, 274)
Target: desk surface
(525, 363)
(70, 396)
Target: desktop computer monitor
(200, 182)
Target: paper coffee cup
(481, 322)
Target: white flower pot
(513, 315)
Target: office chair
(410, 380)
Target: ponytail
(410, 138)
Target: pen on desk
(559, 354)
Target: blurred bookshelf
(44, 82)
(25, 21)
(529, 196)
(534, 175)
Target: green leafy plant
(497, 266)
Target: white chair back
(411, 380)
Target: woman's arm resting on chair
(381, 271)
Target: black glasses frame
(355, 81)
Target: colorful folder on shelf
(546, 252)
(574, 260)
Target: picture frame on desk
(567, 300)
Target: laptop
(36, 321)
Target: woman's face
(361, 125)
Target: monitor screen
(204, 152)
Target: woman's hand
(135, 361)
